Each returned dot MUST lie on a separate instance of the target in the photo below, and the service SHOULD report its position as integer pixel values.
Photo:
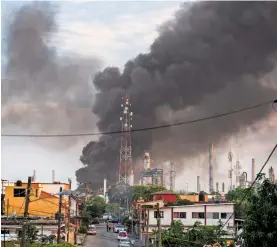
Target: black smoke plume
(211, 58)
(43, 91)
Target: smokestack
(253, 170)
(198, 184)
(217, 187)
(146, 161)
(211, 175)
(53, 176)
(271, 175)
(105, 188)
(34, 176)
(131, 179)
(223, 187)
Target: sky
(115, 32)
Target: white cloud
(114, 42)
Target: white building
(208, 214)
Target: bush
(83, 229)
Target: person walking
(107, 225)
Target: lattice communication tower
(125, 167)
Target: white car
(122, 235)
(124, 243)
(118, 228)
(91, 230)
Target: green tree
(260, 226)
(95, 207)
(236, 196)
(145, 192)
(31, 233)
(112, 208)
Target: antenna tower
(172, 176)
(125, 167)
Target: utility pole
(8, 206)
(26, 208)
(69, 206)
(60, 216)
(147, 229)
(159, 226)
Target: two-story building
(44, 199)
(209, 214)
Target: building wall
(54, 188)
(193, 198)
(43, 203)
(165, 221)
(165, 198)
(223, 211)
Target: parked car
(124, 243)
(91, 230)
(122, 235)
(118, 228)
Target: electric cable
(272, 102)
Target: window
(36, 192)
(183, 215)
(223, 215)
(200, 215)
(176, 215)
(215, 215)
(19, 192)
(156, 214)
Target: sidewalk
(81, 238)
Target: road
(102, 238)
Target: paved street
(102, 238)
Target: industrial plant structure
(150, 176)
(211, 168)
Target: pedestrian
(107, 226)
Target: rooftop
(164, 192)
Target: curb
(84, 239)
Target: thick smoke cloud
(211, 58)
(42, 91)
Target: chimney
(223, 187)
(146, 161)
(198, 184)
(53, 176)
(217, 187)
(211, 173)
(132, 178)
(105, 188)
(253, 170)
(34, 178)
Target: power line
(272, 102)
(253, 183)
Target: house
(208, 214)
(44, 200)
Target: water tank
(201, 196)
(18, 183)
